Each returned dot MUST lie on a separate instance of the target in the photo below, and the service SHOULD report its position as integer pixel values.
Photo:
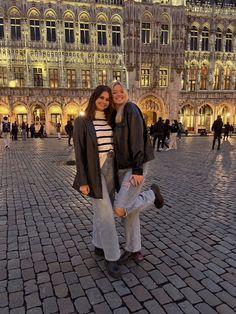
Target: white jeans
(6, 138)
(133, 201)
(104, 228)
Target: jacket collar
(91, 130)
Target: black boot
(159, 200)
(113, 269)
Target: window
(53, 78)
(116, 35)
(116, 75)
(84, 33)
(205, 39)
(102, 34)
(38, 77)
(194, 38)
(69, 32)
(15, 29)
(203, 82)
(164, 34)
(192, 77)
(86, 79)
(218, 43)
(51, 31)
(19, 76)
(216, 85)
(1, 28)
(34, 30)
(102, 77)
(71, 78)
(3, 76)
(146, 33)
(228, 43)
(163, 77)
(55, 118)
(227, 78)
(145, 77)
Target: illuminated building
(177, 57)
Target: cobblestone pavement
(47, 264)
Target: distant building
(177, 57)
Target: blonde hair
(120, 109)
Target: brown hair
(91, 108)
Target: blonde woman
(133, 150)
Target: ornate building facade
(177, 58)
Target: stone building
(176, 57)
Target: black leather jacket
(131, 140)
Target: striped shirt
(104, 135)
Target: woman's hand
(136, 179)
(84, 189)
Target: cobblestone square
(47, 263)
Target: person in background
(27, 130)
(133, 151)
(94, 155)
(173, 135)
(23, 131)
(32, 130)
(226, 130)
(6, 129)
(69, 131)
(14, 131)
(58, 129)
(217, 128)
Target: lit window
(86, 82)
(116, 75)
(145, 77)
(116, 41)
(15, 29)
(69, 32)
(3, 76)
(38, 77)
(229, 40)
(164, 34)
(194, 38)
(34, 30)
(102, 77)
(102, 34)
(53, 78)
(71, 78)
(146, 33)
(84, 33)
(205, 39)
(1, 28)
(163, 77)
(51, 31)
(218, 43)
(203, 82)
(19, 76)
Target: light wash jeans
(6, 138)
(133, 201)
(104, 228)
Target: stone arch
(206, 116)
(33, 12)
(50, 14)
(101, 17)
(68, 15)
(14, 11)
(152, 107)
(4, 110)
(116, 19)
(186, 116)
(84, 16)
(225, 110)
(20, 112)
(147, 16)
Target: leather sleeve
(79, 138)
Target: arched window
(165, 31)
(1, 26)
(15, 22)
(51, 27)
(229, 41)
(218, 42)
(203, 83)
(101, 31)
(84, 29)
(146, 30)
(69, 28)
(205, 39)
(194, 38)
(34, 23)
(116, 32)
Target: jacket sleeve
(79, 139)
(136, 140)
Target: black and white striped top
(104, 135)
